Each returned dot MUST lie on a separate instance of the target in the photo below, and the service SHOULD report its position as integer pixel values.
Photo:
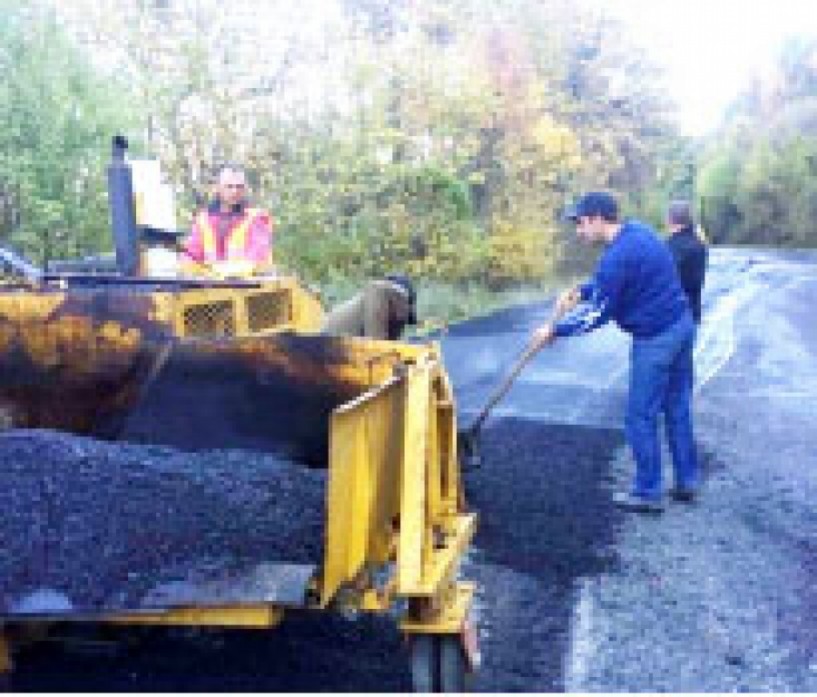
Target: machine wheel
(425, 668)
(453, 668)
(438, 664)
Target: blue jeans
(661, 381)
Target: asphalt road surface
(575, 595)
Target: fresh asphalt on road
(575, 595)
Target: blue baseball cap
(594, 204)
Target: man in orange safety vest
(229, 236)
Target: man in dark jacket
(689, 252)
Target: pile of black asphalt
(545, 520)
(89, 526)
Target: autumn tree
(440, 137)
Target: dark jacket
(690, 256)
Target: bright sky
(710, 48)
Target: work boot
(631, 502)
(683, 494)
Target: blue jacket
(635, 283)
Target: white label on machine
(153, 198)
(160, 261)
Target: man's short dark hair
(679, 212)
(595, 204)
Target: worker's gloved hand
(543, 336)
(567, 301)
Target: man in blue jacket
(636, 284)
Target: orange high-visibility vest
(236, 241)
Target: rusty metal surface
(105, 362)
(273, 394)
(71, 360)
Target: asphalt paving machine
(213, 362)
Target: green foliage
(762, 195)
(758, 180)
(441, 302)
(426, 137)
(775, 194)
(57, 120)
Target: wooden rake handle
(502, 389)
(532, 348)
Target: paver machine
(238, 363)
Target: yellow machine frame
(278, 304)
(396, 525)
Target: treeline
(56, 115)
(757, 182)
(440, 137)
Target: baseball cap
(593, 204)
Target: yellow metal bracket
(259, 616)
(443, 561)
(450, 619)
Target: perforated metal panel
(210, 319)
(268, 310)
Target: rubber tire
(438, 664)
(453, 668)
(425, 665)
